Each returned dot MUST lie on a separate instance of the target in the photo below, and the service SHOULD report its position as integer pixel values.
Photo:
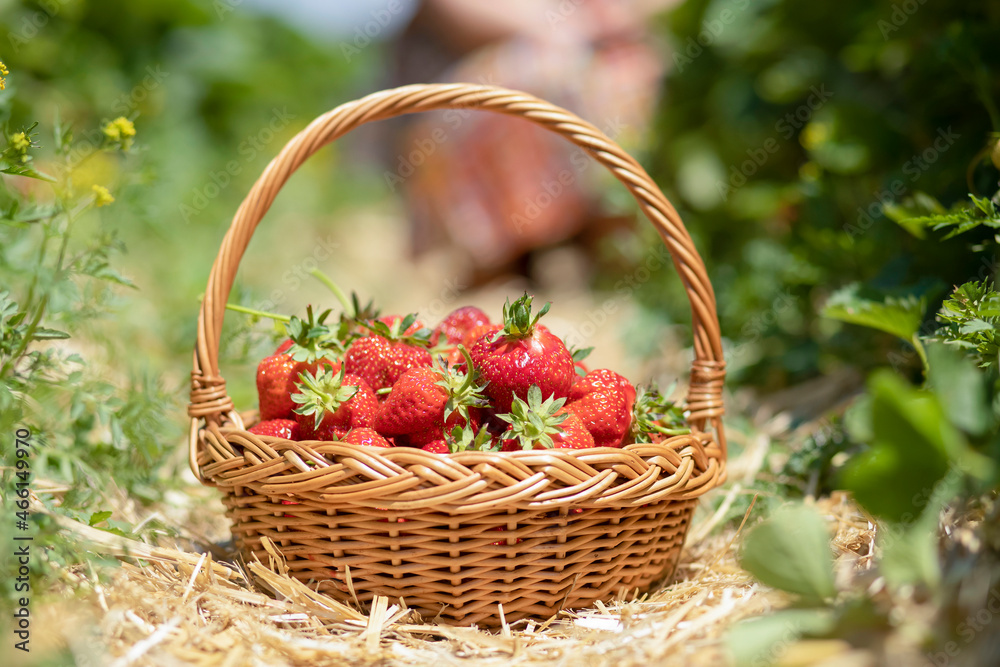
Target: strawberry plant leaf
(961, 218)
(970, 320)
(960, 387)
(899, 316)
(791, 551)
(757, 641)
(913, 446)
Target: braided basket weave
(458, 535)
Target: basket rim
(332, 474)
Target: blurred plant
(788, 140)
(926, 450)
(90, 432)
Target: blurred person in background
(500, 189)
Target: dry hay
(168, 606)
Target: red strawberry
(459, 322)
(329, 405)
(520, 355)
(426, 401)
(437, 446)
(383, 357)
(603, 400)
(312, 346)
(366, 436)
(538, 424)
(277, 428)
(284, 346)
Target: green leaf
(899, 316)
(99, 517)
(906, 212)
(912, 446)
(970, 320)
(791, 551)
(960, 219)
(910, 554)
(760, 641)
(960, 387)
(41, 333)
(975, 326)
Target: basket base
(458, 569)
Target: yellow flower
(20, 142)
(3, 73)
(102, 197)
(119, 130)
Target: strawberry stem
(337, 292)
(259, 313)
(470, 371)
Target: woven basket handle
(209, 400)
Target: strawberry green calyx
(655, 414)
(465, 439)
(397, 332)
(349, 327)
(517, 320)
(535, 421)
(311, 339)
(322, 394)
(463, 392)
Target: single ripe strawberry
(520, 355)
(278, 428)
(603, 400)
(382, 357)
(456, 324)
(426, 401)
(437, 446)
(330, 405)
(368, 437)
(313, 346)
(538, 424)
(284, 346)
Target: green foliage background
(839, 102)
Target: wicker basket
(458, 535)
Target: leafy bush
(789, 136)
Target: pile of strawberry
(466, 384)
